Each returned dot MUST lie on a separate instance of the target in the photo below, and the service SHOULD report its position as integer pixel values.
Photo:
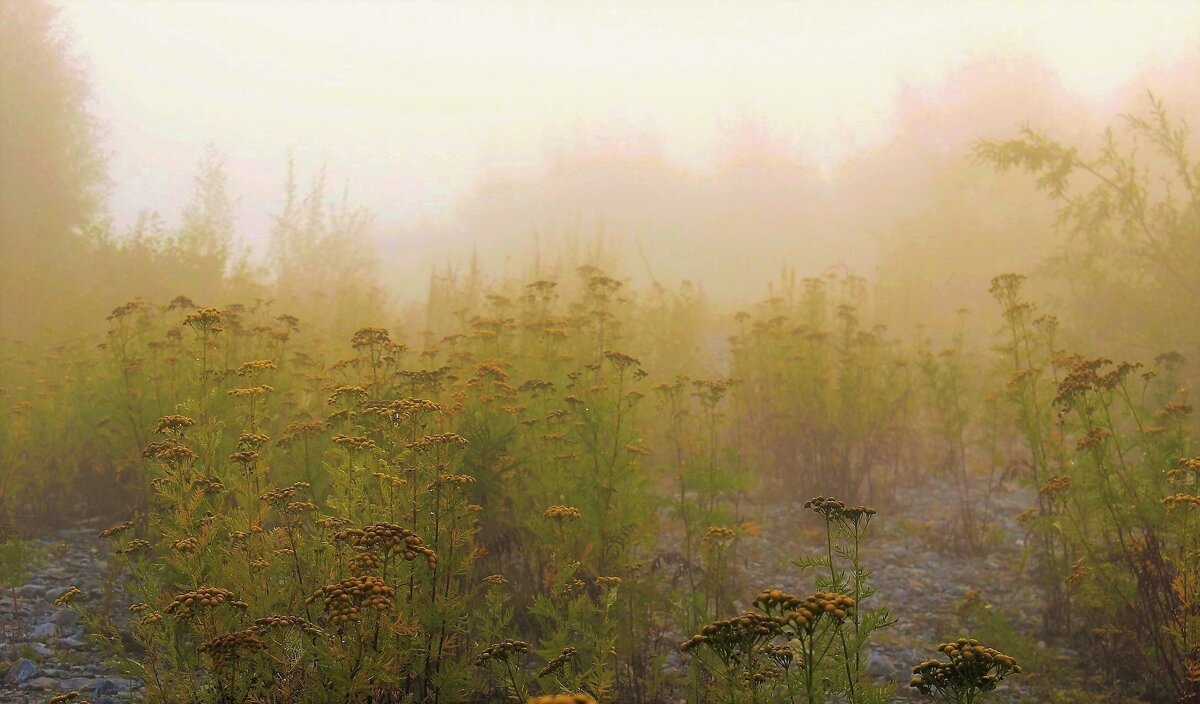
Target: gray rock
(41, 649)
(79, 684)
(21, 672)
(106, 686)
(42, 683)
(43, 630)
(65, 618)
(74, 642)
(881, 666)
(33, 590)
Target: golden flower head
(562, 513)
(68, 596)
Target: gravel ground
(923, 580)
(43, 650)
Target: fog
(683, 129)
(505, 351)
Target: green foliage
(1133, 212)
(1109, 447)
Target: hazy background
(347, 159)
(689, 127)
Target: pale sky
(410, 103)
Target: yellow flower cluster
(719, 535)
(249, 391)
(171, 453)
(186, 545)
(227, 649)
(173, 424)
(135, 546)
(812, 609)
(276, 621)
(368, 337)
(737, 634)
(67, 597)
(1057, 484)
(501, 651)
(1092, 439)
(364, 563)
(116, 530)
(345, 600)
(1180, 501)
(204, 319)
(775, 601)
(578, 698)
(558, 662)
(562, 513)
(183, 606)
(281, 495)
(255, 367)
(354, 443)
(972, 668)
(429, 442)
(387, 538)
(832, 509)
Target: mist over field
(590, 352)
(675, 131)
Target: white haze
(414, 106)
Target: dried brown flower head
(184, 605)
(503, 650)
(346, 600)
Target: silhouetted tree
(50, 169)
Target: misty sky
(410, 103)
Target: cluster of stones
(972, 668)
(345, 600)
